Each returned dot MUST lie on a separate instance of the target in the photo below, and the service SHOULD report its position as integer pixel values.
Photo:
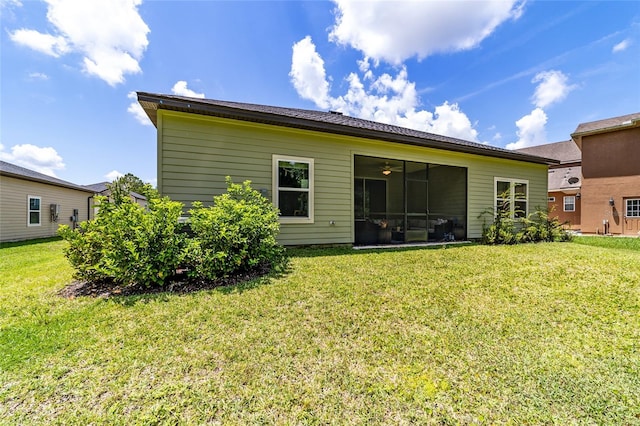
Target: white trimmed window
(512, 197)
(632, 207)
(569, 203)
(293, 188)
(33, 210)
(552, 199)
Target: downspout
(89, 207)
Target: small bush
(502, 229)
(537, 227)
(237, 233)
(127, 244)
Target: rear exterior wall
(196, 152)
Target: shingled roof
(629, 120)
(566, 176)
(566, 152)
(8, 169)
(605, 126)
(327, 122)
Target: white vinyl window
(512, 197)
(293, 188)
(33, 210)
(569, 203)
(632, 207)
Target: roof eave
(48, 182)
(159, 102)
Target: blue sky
(506, 73)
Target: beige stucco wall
(611, 169)
(14, 208)
(196, 152)
(596, 193)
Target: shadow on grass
(29, 242)
(236, 284)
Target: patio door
(631, 225)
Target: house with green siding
(338, 179)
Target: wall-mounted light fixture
(611, 203)
(578, 195)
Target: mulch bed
(179, 284)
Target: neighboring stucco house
(101, 188)
(611, 169)
(33, 205)
(338, 179)
(565, 180)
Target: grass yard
(530, 334)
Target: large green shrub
(127, 243)
(237, 233)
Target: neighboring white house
(33, 205)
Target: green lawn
(530, 334)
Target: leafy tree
(121, 188)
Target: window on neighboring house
(570, 203)
(632, 207)
(512, 197)
(293, 188)
(33, 213)
(552, 199)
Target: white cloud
(137, 111)
(44, 43)
(622, 46)
(553, 88)
(386, 99)
(181, 89)
(110, 35)
(113, 175)
(394, 31)
(41, 159)
(452, 122)
(308, 74)
(531, 130)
